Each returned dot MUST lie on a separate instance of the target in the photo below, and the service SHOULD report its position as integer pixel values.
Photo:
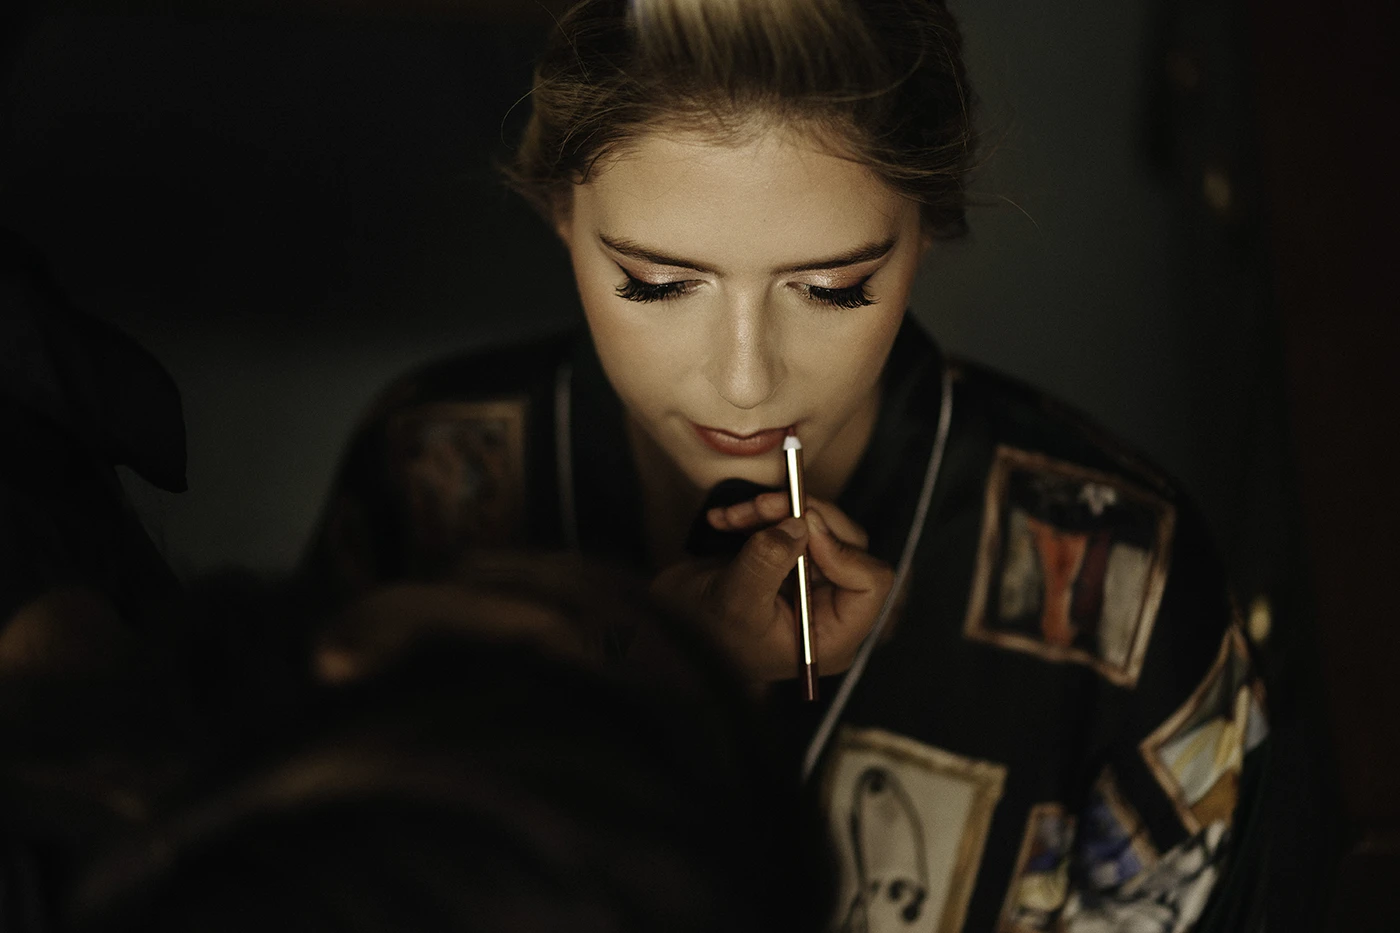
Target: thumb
(758, 571)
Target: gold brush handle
(808, 659)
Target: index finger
(774, 506)
(755, 576)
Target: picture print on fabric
(461, 466)
(1098, 872)
(1113, 850)
(1040, 882)
(909, 823)
(1103, 849)
(1120, 880)
(1071, 565)
(1198, 754)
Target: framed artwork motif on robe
(1071, 565)
(1040, 882)
(909, 822)
(1197, 755)
(461, 469)
(1112, 847)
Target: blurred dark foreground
(484, 770)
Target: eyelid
(833, 284)
(639, 277)
(850, 286)
(851, 296)
(856, 287)
(830, 283)
(824, 278)
(843, 278)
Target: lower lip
(752, 446)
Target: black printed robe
(1059, 730)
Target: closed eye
(853, 296)
(636, 290)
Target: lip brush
(792, 453)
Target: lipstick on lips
(741, 445)
(807, 660)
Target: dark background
(292, 203)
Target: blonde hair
(881, 82)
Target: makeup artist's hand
(742, 599)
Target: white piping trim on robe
(911, 543)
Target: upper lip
(742, 437)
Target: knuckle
(768, 551)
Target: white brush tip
(791, 443)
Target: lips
(741, 445)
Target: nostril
(747, 390)
(744, 367)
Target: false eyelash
(848, 298)
(637, 290)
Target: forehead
(772, 197)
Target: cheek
(615, 334)
(635, 352)
(845, 362)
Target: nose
(744, 364)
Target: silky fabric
(1061, 725)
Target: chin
(766, 471)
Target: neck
(669, 499)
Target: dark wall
(1329, 88)
(289, 212)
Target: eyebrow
(864, 253)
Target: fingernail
(819, 522)
(794, 528)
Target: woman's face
(736, 290)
